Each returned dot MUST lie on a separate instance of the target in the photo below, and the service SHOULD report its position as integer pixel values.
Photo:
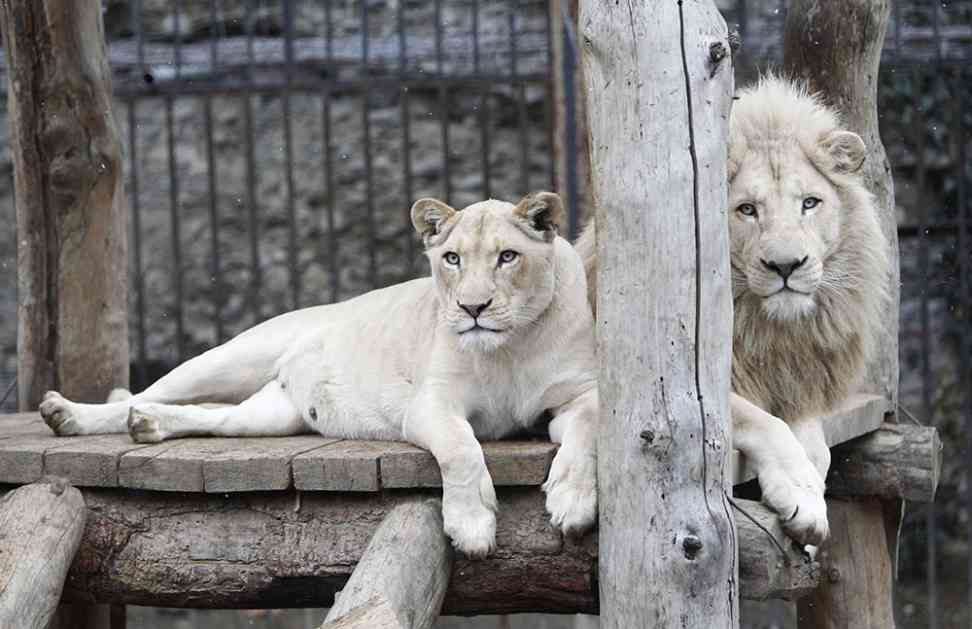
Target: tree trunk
(71, 209)
(402, 578)
(659, 84)
(816, 49)
(40, 531)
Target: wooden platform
(29, 451)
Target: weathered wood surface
(896, 461)
(296, 549)
(815, 48)
(401, 579)
(70, 202)
(40, 530)
(658, 110)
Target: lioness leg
(571, 486)
(791, 485)
(267, 413)
(228, 373)
(468, 496)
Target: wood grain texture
(658, 114)
(40, 531)
(897, 461)
(70, 202)
(296, 549)
(401, 579)
(816, 49)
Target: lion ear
(846, 149)
(428, 215)
(543, 211)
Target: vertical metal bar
(215, 265)
(295, 283)
(937, 29)
(329, 30)
(256, 279)
(333, 241)
(213, 39)
(139, 37)
(965, 292)
(484, 91)
(366, 137)
(548, 116)
(248, 27)
(742, 14)
(896, 8)
(926, 377)
(570, 124)
(521, 113)
(443, 104)
(406, 140)
(176, 229)
(177, 43)
(136, 210)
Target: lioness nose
(475, 310)
(784, 269)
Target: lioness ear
(543, 211)
(428, 216)
(846, 149)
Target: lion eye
(747, 209)
(451, 258)
(507, 256)
(811, 202)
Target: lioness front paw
(469, 518)
(62, 415)
(571, 489)
(144, 425)
(796, 493)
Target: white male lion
(499, 335)
(809, 272)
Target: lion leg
(809, 432)
(267, 413)
(791, 484)
(468, 497)
(571, 485)
(228, 373)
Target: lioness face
(493, 264)
(785, 221)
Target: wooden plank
(23, 424)
(343, 466)
(216, 464)
(401, 579)
(508, 462)
(269, 549)
(89, 461)
(41, 526)
(22, 458)
(778, 569)
(859, 415)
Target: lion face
(786, 219)
(493, 264)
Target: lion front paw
(796, 493)
(571, 489)
(469, 518)
(145, 424)
(62, 415)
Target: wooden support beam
(40, 530)
(70, 202)
(863, 538)
(401, 579)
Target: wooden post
(658, 86)
(71, 209)
(40, 530)
(858, 558)
(401, 579)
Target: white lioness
(498, 336)
(809, 276)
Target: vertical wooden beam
(659, 84)
(70, 204)
(857, 591)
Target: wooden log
(296, 549)
(70, 202)
(896, 461)
(815, 49)
(659, 85)
(40, 530)
(401, 579)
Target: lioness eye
(507, 256)
(810, 202)
(452, 258)
(747, 209)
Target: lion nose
(784, 269)
(475, 310)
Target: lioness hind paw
(60, 414)
(143, 426)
